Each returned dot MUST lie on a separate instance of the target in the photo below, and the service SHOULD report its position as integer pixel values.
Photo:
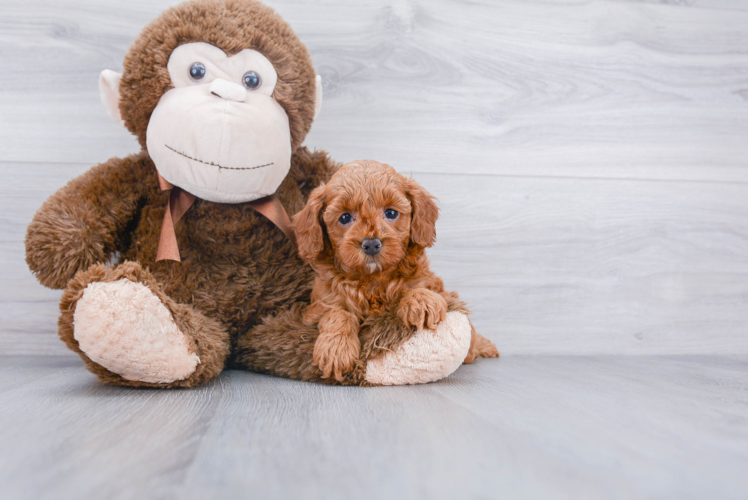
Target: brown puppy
(365, 234)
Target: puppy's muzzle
(371, 246)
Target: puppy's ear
(425, 213)
(308, 227)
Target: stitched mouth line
(215, 164)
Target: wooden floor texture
(591, 162)
(524, 427)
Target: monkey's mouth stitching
(215, 164)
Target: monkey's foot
(429, 355)
(124, 327)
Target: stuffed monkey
(179, 261)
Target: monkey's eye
(197, 71)
(345, 219)
(391, 214)
(251, 80)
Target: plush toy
(179, 261)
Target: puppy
(364, 233)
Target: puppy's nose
(371, 246)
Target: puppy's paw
(422, 308)
(485, 348)
(336, 354)
(480, 347)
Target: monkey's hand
(83, 223)
(337, 348)
(422, 308)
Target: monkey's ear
(308, 227)
(317, 95)
(425, 213)
(109, 91)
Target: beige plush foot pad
(125, 328)
(427, 356)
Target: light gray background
(591, 161)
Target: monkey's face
(219, 133)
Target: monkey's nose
(227, 90)
(371, 246)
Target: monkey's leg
(129, 332)
(400, 357)
(391, 354)
(283, 345)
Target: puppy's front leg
(337, 348)
(422, 308)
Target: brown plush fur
(351, 285)
(237, 267)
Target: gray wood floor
(591, 160)
(525, 427)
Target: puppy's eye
(197, 71)
(391, 214)
(345, 219)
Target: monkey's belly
(233, 273)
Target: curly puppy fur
(368, 203)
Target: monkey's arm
(85, 221)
